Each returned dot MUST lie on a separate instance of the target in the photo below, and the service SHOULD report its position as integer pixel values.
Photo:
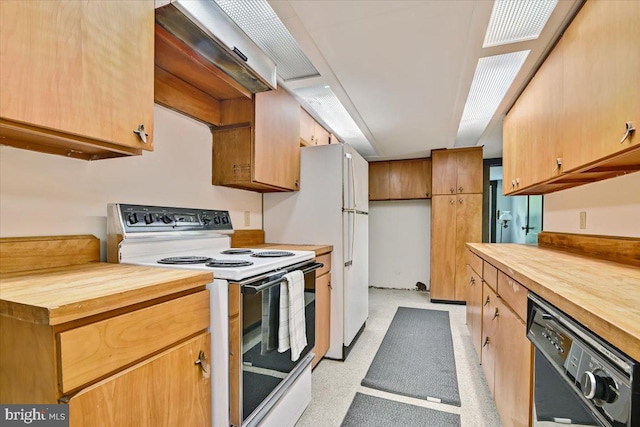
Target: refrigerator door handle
(352, 202)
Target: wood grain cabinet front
(147, 364)
(262, 151)
(457, 171)
(400, 179)
(572, 123)
(496, 319)
(81, 85)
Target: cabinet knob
(451, 201)
(628, 131)
(426, 194)
(460, 201)
(297, 184)
(486, 341)
(141, 133)
(496, 314)
(472, 281)
(452, 190)
(460, 189)
(487, 301)
(201, 361)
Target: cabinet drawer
(513, 294)
(326, 260)
(92, 351)
(490, 275)
(475, 262)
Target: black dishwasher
(579, 378)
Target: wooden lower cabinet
(134, 367)
(513, 374)
(505, 352)
(455, 220)
(323, 317)
(167, 390)
(474, 308)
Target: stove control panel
(142, 218)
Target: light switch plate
(247, 218)
(583, 220)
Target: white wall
(399, 243)
(612, 207)
(44, 194)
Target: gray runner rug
(416, 357)
(371, 411)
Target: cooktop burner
(222, 263)
(184, 260)
(237, 252)
(272, 254)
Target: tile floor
(335, 383)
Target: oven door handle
(252, 290)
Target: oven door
(262, 373)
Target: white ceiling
(403, 69)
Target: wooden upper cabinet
(400, 179)
(567, 126)
(263, 155)
(311, 132)
(457, 171)
(410, 179)
(307, 129)
(601, 81)
(379, 181)
(77, 76)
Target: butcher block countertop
(604, 296)
(318, 249)
(58, 295)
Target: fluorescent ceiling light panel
(327, 105)
(258, 20)
(517, 20)
(493, 77)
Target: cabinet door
(276, 145)
(323, 316)
(379, 181)
(601, 84)
(513, 371)
(170, 389)
(410, 179)
(307, 128)
(444, 172)
(321, 135)
(468, 229)
(490, 342)
(87, 71)
(474, 309)
(531, 131)
(443, 247)
(469, 171)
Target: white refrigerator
(330, 208)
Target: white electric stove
(198, 239)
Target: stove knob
(133, 218)
(216, 220)
(148, 218)
(166, 219)
(225, 220)
(601, 389)
(206, 220)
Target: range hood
(207, 30)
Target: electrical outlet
(583, 220)
(247, 218)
